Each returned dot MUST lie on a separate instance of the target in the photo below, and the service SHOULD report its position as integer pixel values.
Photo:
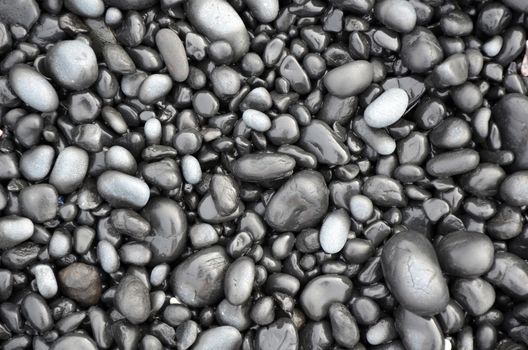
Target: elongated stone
(32, 88)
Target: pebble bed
(263, 174)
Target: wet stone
(81, 282)
(281, 334)
(256, 167)
(321, 292)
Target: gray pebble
(73, 340)
(69, 170)
(256, 120)
(122, 190)
(135, 253)
(257, 167)
(60, 244)
(239, 280)
(321, 292)
(421, 50)
(199, 280)
(39, 202)
(318, 139)
(46, 281)
(72, 64)
(453, 163)
(300, 203)
(108, 257)
(14, 230)
(377, 139)
(475, 295)
(413, 274)
(132, 299)
(217, 20)
(37, 312)
(344, 326)
(398, 15)
(202, 235)
(513, 189)
(118, 61)
(191, 169)
(120, 159)
(32, 88)
(418, 333)
(509, 272)
(387, 109)
(281, 334)
(292, 71)
(384, 191)
(153, 131)
(334, 231)
(81, 282)
(361, 207)
(264, 11)
(173, 53)
(219, 338)
(338, 81)
(225, 193)
(83, 8)
(154, 88)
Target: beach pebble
(173, 53)
(14, 230)
(69, 170)
(132, 299)
(387, 109)
(334, 231)
(32, 88)
(122, 190)
(338, 82)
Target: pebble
(81, 282)
(453, 163)
(122, 190)
(298, 204)
(132, 299)
(46, 282)
(281, 334)
(219, 338)
(69, 170)
(173, 53)
(322, 291)
(217, 20)
(154, 88)
(73, 340)
(37, 312)
(72, 64)
(384, 191)
(387, 109)
(334, 231)
(318, 139)
(108, 257)
(344, 327)
(421, 50)
(264, 11)
(256, 120)
(418, 333)
(412, 273)
(398, 15)
(509, 272)
(14, 230)
(191, 169)
(257, 167)
(475, 295)
(239, 279)
(338, 82)
(39, 202)
(225, 193)
(199, 280)
(32, 88)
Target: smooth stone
(73, 64)
(513, 189)
(226, 82)
(334, 231)
(132, 299)
(321, 292)
(418, 333)
(155, 87)
(509, 273)
(122, 190)
(164, 174)
(28, 130)
(217, 20)
(453, 163)
(191, 169)
(39, 202)
(451, 133)
(475, 295)
(413, 274)
(14, 230)
(46, 281)
(453, 71)
(209, 213)
(19, 13)
(516, 5)
(387, 109)
(349, 79)
(465, 254)
(378, 139)
(344, 326)
(168, 233)
(256, 120)
(203, 235)
(281, 334)
(74, 341)
(86, 8)
(173, 53)
(421, 50)
(257, 167)
(120, 159)
(119, 61)
(509, 116)
(318, 139)
(361, 207)
(300, 203)
(384, 191)
(128, 222)
(69, 170)
(264, 11)
(292, 71)
(81, 282)
(225, 193)
(32, 88)
(398, 15)
(108, 257)
(218, 338)
(199, 280)
(239, 279)
(316, 335)
(37, 312)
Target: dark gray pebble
(321, 292)
(257, 167)
(132, 299)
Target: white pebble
(361, 207)
(153, 131)
(60, 244)
(492, 47)
(256, 120)
(334, 231)
(108, 257)
(191, 170)
(387, 109)
(46, 281)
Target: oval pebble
(387, 109)
(122, 190)
(339, 83)
(32, 88)
(334, 231)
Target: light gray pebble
(239, 279)
(361, 207)
(108, 257)
(159, 274)
(154, 88)
(86, 8)
(39, 202)
(191, 169)
(203, 235)
(256, 120)
(173, 53)
(132, 299)
(32, 88)
(334, 231)
(264, 11)
(122, 190)
(378, 139)
(135, 253)
(46, 281)
(153, 131)
(60, 244)
(120, 159)
(14, 230)
(338, 81)
(219, 338)
(387, 109)
(69, 170)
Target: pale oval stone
(334, 231)
(256, 120)
(387, 109)
(32, 88)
